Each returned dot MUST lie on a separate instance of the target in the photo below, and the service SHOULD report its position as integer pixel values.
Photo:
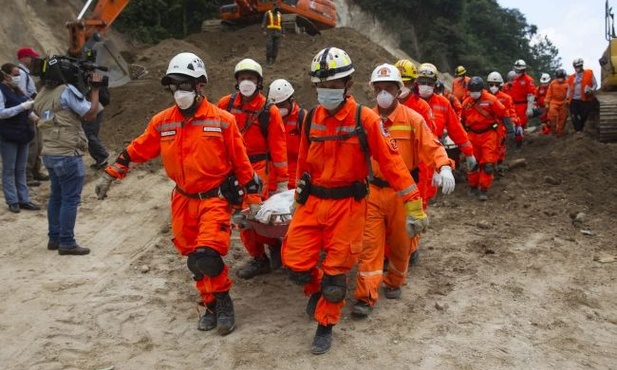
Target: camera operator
(61, 107)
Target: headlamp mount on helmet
(325, 71)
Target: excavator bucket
(107, 55)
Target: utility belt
(381, 183)
(358, 190)
(229, 189)
(258, 157)
(493, 126)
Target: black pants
(579, 112)
(96, 149)
(272, 45)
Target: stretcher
(274, 216)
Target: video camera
(58, 69)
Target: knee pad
(301, 277)
(334, 288)
(205, 262)
(488, 168)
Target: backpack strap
(264, 119)
(300, 119)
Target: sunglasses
(494, 84)
(184, 86)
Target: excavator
(605, 117)
(86, 39)
(309, 16)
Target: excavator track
(605, 118)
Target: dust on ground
(509, 283)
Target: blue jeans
(66, 175)
(14, 161)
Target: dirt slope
(511, 283)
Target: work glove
(519, 131)
(102, 185)
(253, 209)
(417, 221)
(471, 162)
(281, 187)
(27, 105)
(447, 180)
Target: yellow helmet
(330, 64)
(408, 69)
(428, 70)
(248, 65)
(460, 71)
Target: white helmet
(279, 91)
(330, 64)
(545, 78)
(185, 64)
(248, 65)
(511, 75)
(427, 70)
(520, 65)
(578, 62)
(494, 77)
(386, 73)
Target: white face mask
(519, 74)
(385, 99)
(560, 79)
(330, 98)
(284, 111)
(404, 92)
(15, 80)
(247, 88)
(494, 89)
(184, 99)
(425, 90)
(475, 95)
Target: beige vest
(59, 128)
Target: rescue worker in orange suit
(505, 132)
(333, 165)
(556, 103)
(581, 87)
(272, 26)
(447, 123)
(202, 151)
(440, 89)
(523, 92)
(385, 220)
(545, 79)
(460, 83)
(482, 114)
(281, 93)
(409, 92)
(264, 136)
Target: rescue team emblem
(383, 72)
(383, 130)
(168, 133)
(392, 144)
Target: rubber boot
(225, 317)
(208, 320)
(258, 266)
(323, 340)
(483, 196)
(361, 309)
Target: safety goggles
(494, 84)
(426, 81)
(184, 86)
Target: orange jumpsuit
(459, 87)
(293, 129)
(521, 86)
(482, 118)
(336, 225)
(454, 102)
(445, 119)
(260, 150)
(556, 102)
(415, 102)
(385, 221)
(541, 101)
(198, 153)
(506, 100)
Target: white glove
(102, 186)
(471, 162)
(281, 187)
(27, 105)
(519, 131)
(447, 180)
(436, 179)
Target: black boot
(225, 317)
(258, 266)
(208, 320)
(323, 340)
(311, 305)
(275, 257)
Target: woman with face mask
(203, 153)
(263, 131)
(16, 131)
(446, 120)
(416, 144)
(506, 133)
(333, 164)
(482, 115)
